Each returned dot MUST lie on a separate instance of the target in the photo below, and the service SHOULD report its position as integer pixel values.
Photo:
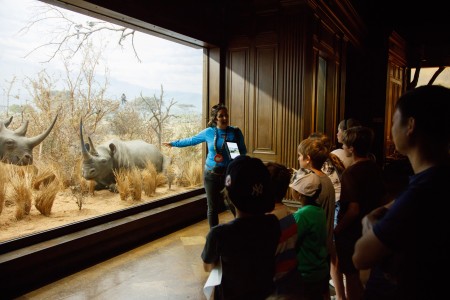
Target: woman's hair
(213, 114)
(334, 159)
(280, 177)
(348, 123)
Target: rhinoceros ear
(113, 148)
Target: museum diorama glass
(85, 106)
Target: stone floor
(168, 268)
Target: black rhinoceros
(15, 147)
(100, 163)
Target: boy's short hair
(360, 138)
(316, 150)
(429, 105)
(247, 185)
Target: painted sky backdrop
(177, 67)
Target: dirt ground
(65, 210)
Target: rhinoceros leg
(113, 188)
(100, 186)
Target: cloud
(177, 67)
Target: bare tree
(436, 74)
(7, 92)
(80, 94)
(127, 122)
(414, 82)
(159, 113)
(68, 36)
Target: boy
(246, 245)
(311, 280)
(410, 235)
(286, 256)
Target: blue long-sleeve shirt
(233, 134)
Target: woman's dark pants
(214, 184)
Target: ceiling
(423, 24)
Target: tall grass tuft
(190, 175)
(135, 181)
(91, 187)
(44, 177)
(21, 181)
(161, 179)
(149, 179)
(45, 197)
(122, 183)
(3, 179)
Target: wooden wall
(272, 82)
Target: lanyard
(216, 132)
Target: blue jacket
(233, 134)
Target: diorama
(75, 142)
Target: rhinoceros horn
(34, 141)
(92, 148)
(22, 130)
(7, 122)
(84, 151)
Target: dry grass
(190, 175)
(149, 179)
(46, 196)
(3, 179)
(161, 179)
(45, 177)
(135, 182)
(21, 193)
(122, 183)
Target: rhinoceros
(100, 163)
(15, 147)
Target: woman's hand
(167, 144)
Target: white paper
(233, 149)
(215, 277)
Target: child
(362, 190)
(246, 245)
(311, 280)
(286, 257)
(312, 154)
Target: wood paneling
(395, 86)
(293, 86)
(238, 87)
(252, 93)
(264, 109)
